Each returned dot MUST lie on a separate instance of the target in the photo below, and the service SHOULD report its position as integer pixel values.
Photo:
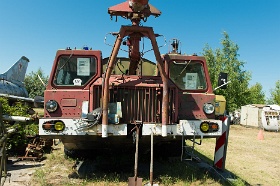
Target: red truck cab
(72, 74)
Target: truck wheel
(70, 153)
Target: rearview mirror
(222, 81)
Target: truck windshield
(188, 75)
(74, 70)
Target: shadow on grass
(118, 167)
(205, 165)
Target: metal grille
(139, 103)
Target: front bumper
(80, 127)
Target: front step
(188, 150)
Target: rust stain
(69, 102)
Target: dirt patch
(20, 172)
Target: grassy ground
(40, 111)
(255, 161)
(58, 171)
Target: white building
(262, 116)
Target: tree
(257, 95)
(33, 84)
(275, 94)
(226, 60)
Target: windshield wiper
(183, 69)
(65, 62)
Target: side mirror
(222, 81)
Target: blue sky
(37, 28)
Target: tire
(71, 153)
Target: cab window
(188, 75)
(74, 70)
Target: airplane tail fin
(16, 73)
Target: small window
(188, 75)
(74, 70)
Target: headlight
(59, 126)
(208, 127)
(54, 125)
(51, 106)
(47, 126)
(208, 108)
(204, 127)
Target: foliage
(226, 60)
(275, 94)
(18, 108)
(18, 139)
(257, 96)
(33, 84)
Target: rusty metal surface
(134, 54)
(105, 92)
(139, 104)
(135, 181)
(123, 9)
(52, 86)
(34, 150)
(191, 106)
(164, 117)
(67, 102)
(126, 31)
(172, 57)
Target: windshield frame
(201, 81)
(81, 61)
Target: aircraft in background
(11, 82)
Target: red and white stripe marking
(221, 145)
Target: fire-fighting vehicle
(93, 102)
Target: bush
(18, 140)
